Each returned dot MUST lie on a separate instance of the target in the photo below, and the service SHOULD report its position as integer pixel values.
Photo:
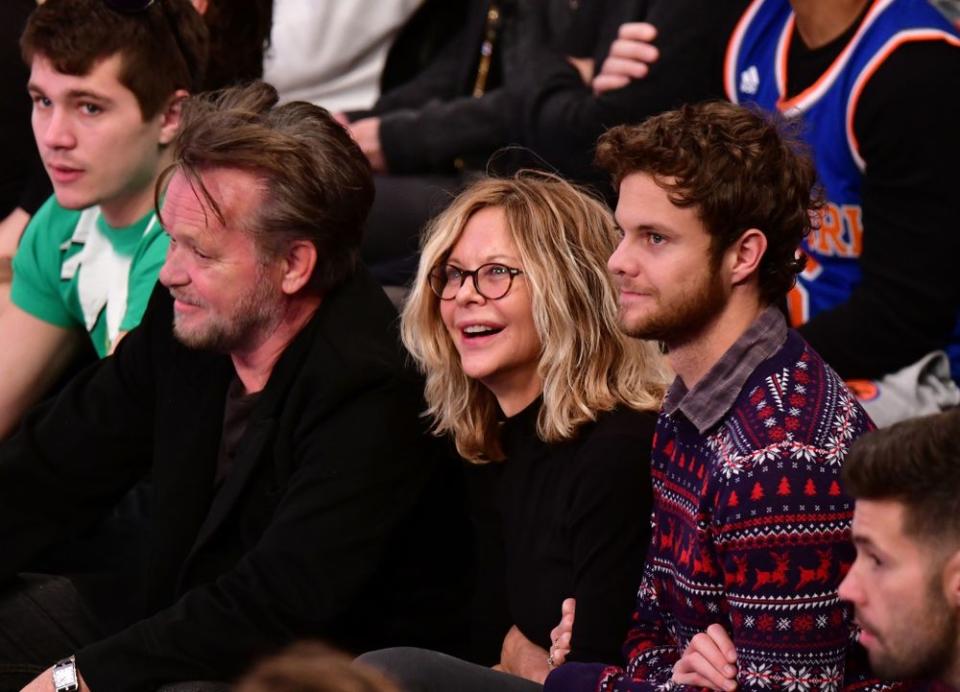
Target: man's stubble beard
(684, 316)
(257, 312)
(926, 647)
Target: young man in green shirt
(107, 78)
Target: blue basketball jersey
(755, 71)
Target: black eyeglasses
(134, 6)
(492, 280)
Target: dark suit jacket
(338, 519)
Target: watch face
(65, 678)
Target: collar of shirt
(715, 393)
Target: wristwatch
(65, 675)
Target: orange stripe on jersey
(780, 66)
(871, 68)
(733, 49)
(830, 74)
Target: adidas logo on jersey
(750, 80)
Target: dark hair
(737, 168)
(317, 184)
(916, 462)
(74, 35)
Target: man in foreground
(905, 583)
(751, 527)
(296, 494)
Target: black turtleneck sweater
(568, 519)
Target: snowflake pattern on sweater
(751, 530)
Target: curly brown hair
(738, 168)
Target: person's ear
(951, 580)
(298, 265)
(170, 117)
(201, 5)
(743, 257)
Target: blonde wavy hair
(564, 237)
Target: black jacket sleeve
(445, 76)
(907, 302)
(327, 537)
(431, 138)
(561, 118)
(75, 456)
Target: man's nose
(622, 260)
(849, 589)
(57, 130)
(172, 272)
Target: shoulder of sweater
(793, 396)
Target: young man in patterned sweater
(751, 528)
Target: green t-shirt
(73, 270)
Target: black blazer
(339, 520)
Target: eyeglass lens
(492, 281)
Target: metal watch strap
(65, 677)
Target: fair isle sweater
(750, 524)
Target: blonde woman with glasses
(513, 320)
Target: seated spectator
(107, 88)
(295, 491)
(513, 319)
(873, 86)
(429, 136)
(878, 298)
(311, 667)
(238, 37)
(750, 524)
(905, 582)
(564, 110)
(530, 86)
(338, 55)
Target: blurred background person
(343, 55)
(312, 667)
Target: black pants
(43, 619)
(419, 670)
